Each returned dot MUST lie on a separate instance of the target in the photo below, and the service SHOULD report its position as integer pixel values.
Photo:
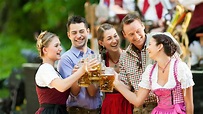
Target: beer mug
(107, 79)
(95, 74)
(84, 80)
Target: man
(134, 59)
(81, 100)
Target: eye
(82, 31)
(73, 33)
(108, 38)
(115, 35)
(131, 34)
(138, 31)
(58, 44)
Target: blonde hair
(43, 41)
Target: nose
(78, 35)
(147, 47)
(114, 40)
(136, 36)
(60, 48)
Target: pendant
(115, 66)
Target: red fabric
(50, 96)
(115, 103)
(197, 17)
(159, 8)
(145, 7)
(117, 2)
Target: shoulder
(66, 54)
(184, 75)
(149, 68)
(46, 66)
(181, 66)
(67, 57)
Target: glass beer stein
(106, 80)
(84, 80)
(95, 75)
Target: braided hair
(43, 41)
(168, 44)
(100, 36)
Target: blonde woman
(52, 90)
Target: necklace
(163, 69)
(115, 63)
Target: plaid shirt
(132, 66)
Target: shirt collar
(78, 53)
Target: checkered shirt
(130, 70)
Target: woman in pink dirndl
(169, 78)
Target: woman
(109, 46)
(169, 78)
(52, 90)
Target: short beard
(81, 46)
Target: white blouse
(184, 76)
(45, 74)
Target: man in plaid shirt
(135, 58)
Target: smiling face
(78, 34)
(134, 33)
(153, 48)
(53, 50)
(111, 40)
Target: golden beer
(95, 75)
(84, 80)
(106, 82)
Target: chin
(58, 58)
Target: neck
(164, 63)
(45, 60)
(139, 47)
(83, 48)
(115, 55)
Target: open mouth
(58, 53)
(80, 41)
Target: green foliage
(20, 19)
(4, 93)
(23, 18)
(10, 53)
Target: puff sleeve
(145, 78)
(184, 75)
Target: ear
(100, 43)
(88, 30)
(143, 25)
(44, 49)
(160, 46)
(68, 34)
(124, 34)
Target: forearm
(124, 90)
(188, 98)
(190, 109)
(92, 90)
(64, 84)
(75, 89)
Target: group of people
(148, 77)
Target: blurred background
(22, 20)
